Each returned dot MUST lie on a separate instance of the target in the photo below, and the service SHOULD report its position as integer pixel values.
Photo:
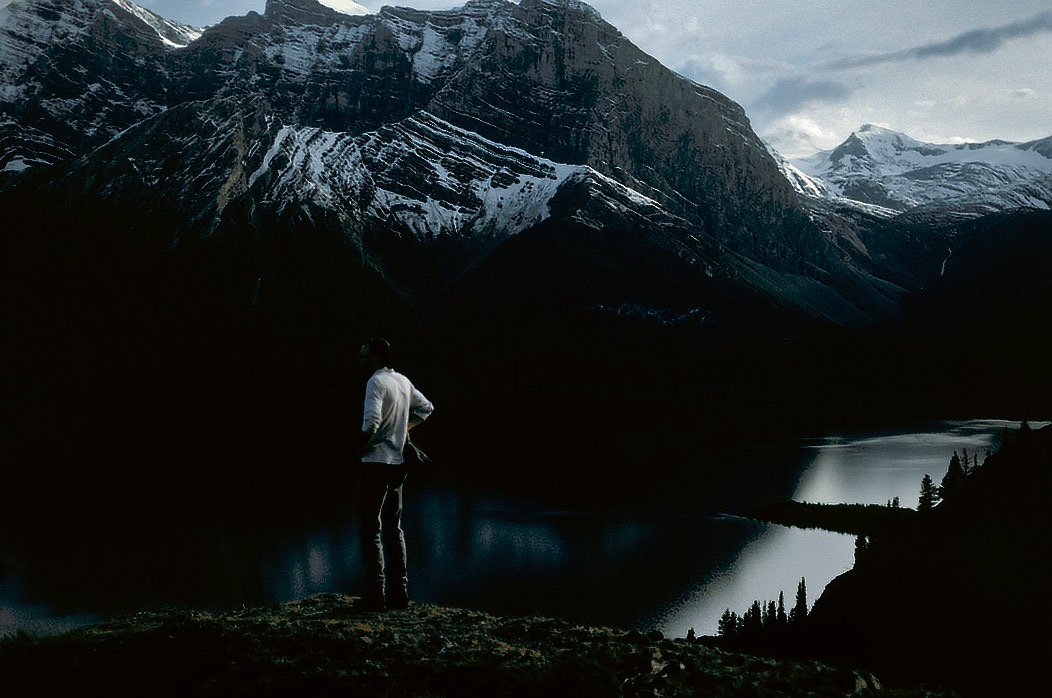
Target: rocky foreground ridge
(321, 646)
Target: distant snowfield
(890, 153)
(904, 172)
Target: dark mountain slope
(992, 303)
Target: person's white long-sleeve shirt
(390, 400)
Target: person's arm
(370, 416)
(420, 408)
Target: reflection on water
(673, 562)
(612, 567)
(876, 469)
(773, 563)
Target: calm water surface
(672, 563)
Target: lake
(673, 562)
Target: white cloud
(799, 135)
(731, 74)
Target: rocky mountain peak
(576, 8)
(853, 147)
(873, 129)
(36, 21)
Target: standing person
(393, 406)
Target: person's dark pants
(380, 527)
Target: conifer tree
(728, 625)
(929, 494)
(798, 614)
(953, 480)
(752, 624)
(781, 618)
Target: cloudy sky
(809, 72)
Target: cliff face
(561, 81)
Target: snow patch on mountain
(801, 181)
(24, 37)
(422, 174)
(347, 7)
(436, 41)
(173, 34)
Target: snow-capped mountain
(476, 122)
(473, 124)
(890, 173)
(548, 79)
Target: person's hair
(379, 349)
